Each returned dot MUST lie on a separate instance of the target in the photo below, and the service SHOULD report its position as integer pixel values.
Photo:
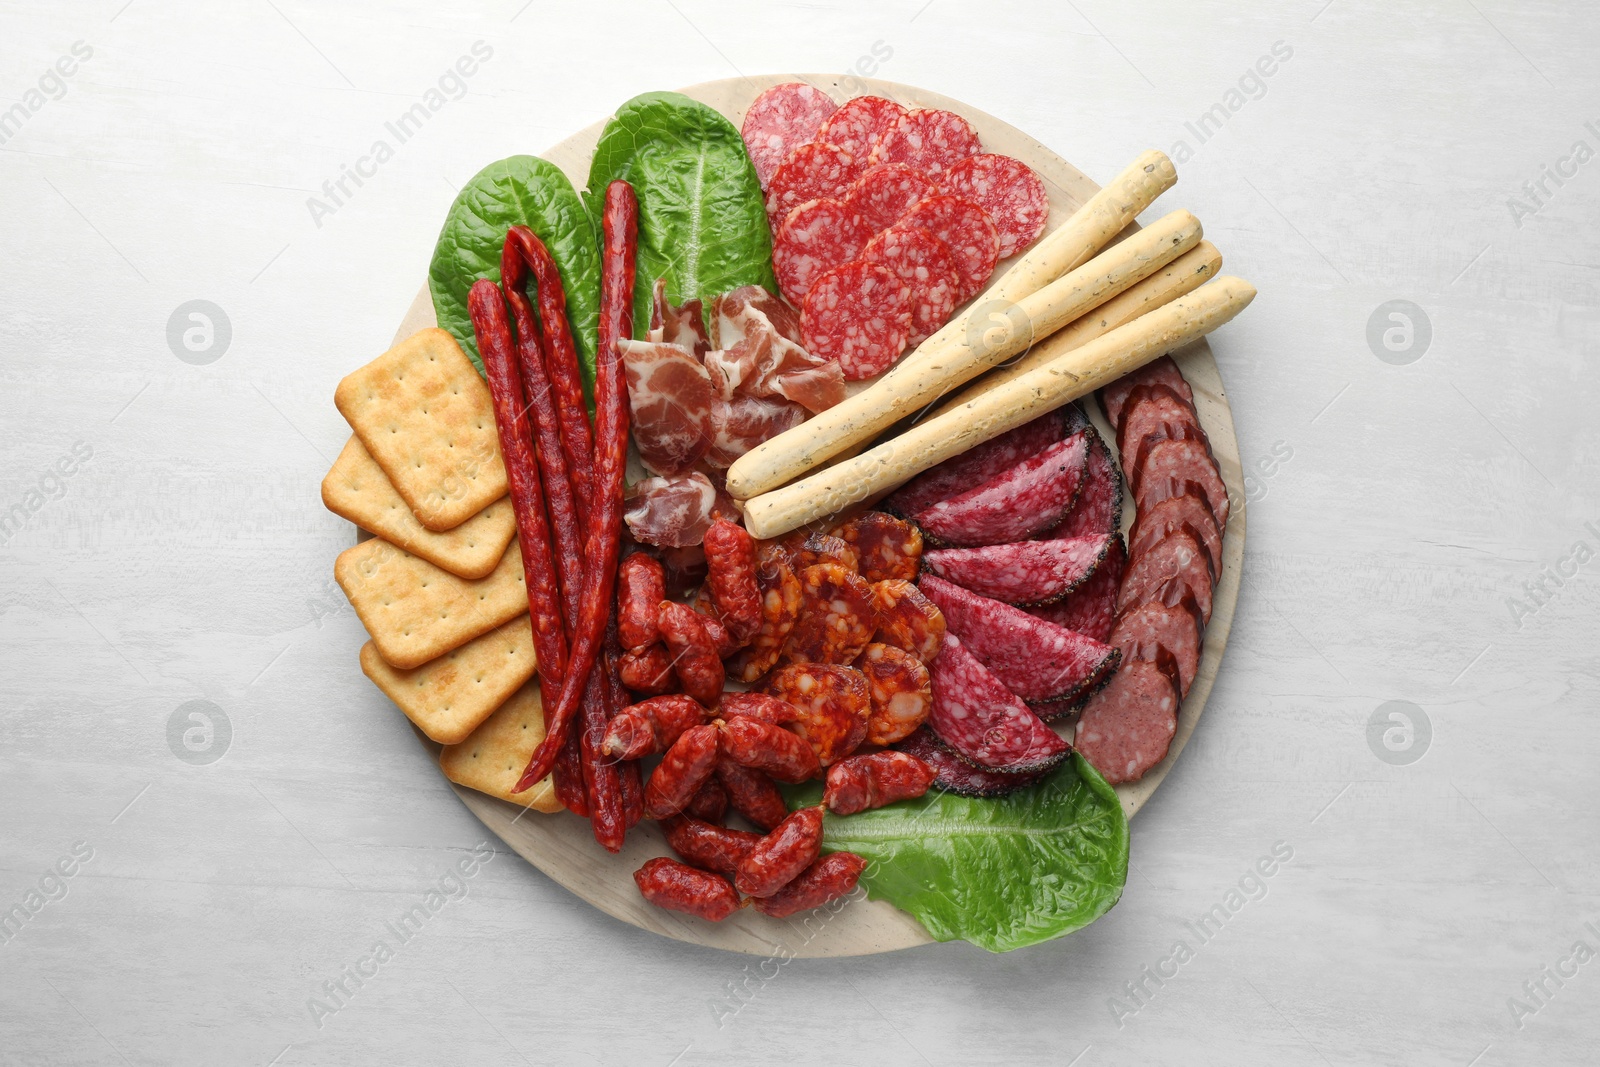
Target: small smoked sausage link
(864, 782)
(647, 670)
(712, 848)
(731, 575)
(651, 726)
(778, 858)
(694, 655)
(751, 794)
(765, 747)
(762, 706)
(829, 878)
(709, 803)
(679, 887)
(641, 587)
(681, 772)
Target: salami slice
(1015, 504)
(780, 607)
(670, 394)
(1127, 727)
(955, 775)
(1021, 572)
(1168, 463)
(922, 263)
(813, 170)
(1098, 509)
(837, 619)
(858, 316)
(979, 463)
(1176, 557)
(861, 124)
(780, 120)
(1009, 190)
(1185, 506)
(1171, 623)
(834, 703)
(908, 619)
(983, 721)
(816, 237)
(1091, 608)
(886, 192)
(1161, 371)
(740, 424)
(900, 689)
(930, 140)
(1035, 659)
(1154, 413)
(969, 233)
(886, 547)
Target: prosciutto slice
(745, 421)
(671, 395)
(683, 326)
(671, 512)
(758, 353)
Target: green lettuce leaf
(1003, 872)
(532, 192)
(702, 219)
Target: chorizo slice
(781, 600)
(886, 547)
(908, 619)
(834, 704)
(837, 619)
(900, 691)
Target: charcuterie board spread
(792, 503)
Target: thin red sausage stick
(605, 529)
(607, 806)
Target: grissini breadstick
(1042, 389)
(994, 330)
(1183, 275)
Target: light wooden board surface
(562, 846)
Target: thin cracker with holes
(448, 698)
(357, 489)
(493, 757)
(415, 611)
(425, 416)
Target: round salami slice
(1008, 190)
(834, 703)
(955, 775)
(1090, 609)
(857, 315)
(1185, 506)
(930, 140)
(1161, 371)
(923, 264)
(969, 233)
(859, 125)
(837, 619)
(1176, 557)
(1015, 504)
(812, 171)
(1022, 572)
(1127, 727)
(816, 237)
(1098, 509)
(979, 463)
(1166, 463)
(1171, 623)
(982, 720)
(782, 119)
(1035, 659)
(900, 690)
(907, 619)
(887, 191)
(1154, 413)
(886, 547)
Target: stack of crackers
(439, 586)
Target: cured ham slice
(671, 512)
(738, 425)
(671, 394)
(683, 326)
(758, 354)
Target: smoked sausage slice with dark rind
(956, 775)
(1022, 572)
(1176, 557)
(1154, 413)
(1163, 516)
(1090, 609)
(1015, 504)
(979, 463)
(984, 721)
(1161, 371)
(1166, 462)
(1127, 727)
(1171, 623)
(1035, 659)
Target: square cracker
(425, 415)
(450, 696)
(357, 489)
(417, 612)
(493, 758)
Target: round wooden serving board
(562, 846)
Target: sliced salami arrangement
(937, 211)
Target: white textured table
(1415, 525)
